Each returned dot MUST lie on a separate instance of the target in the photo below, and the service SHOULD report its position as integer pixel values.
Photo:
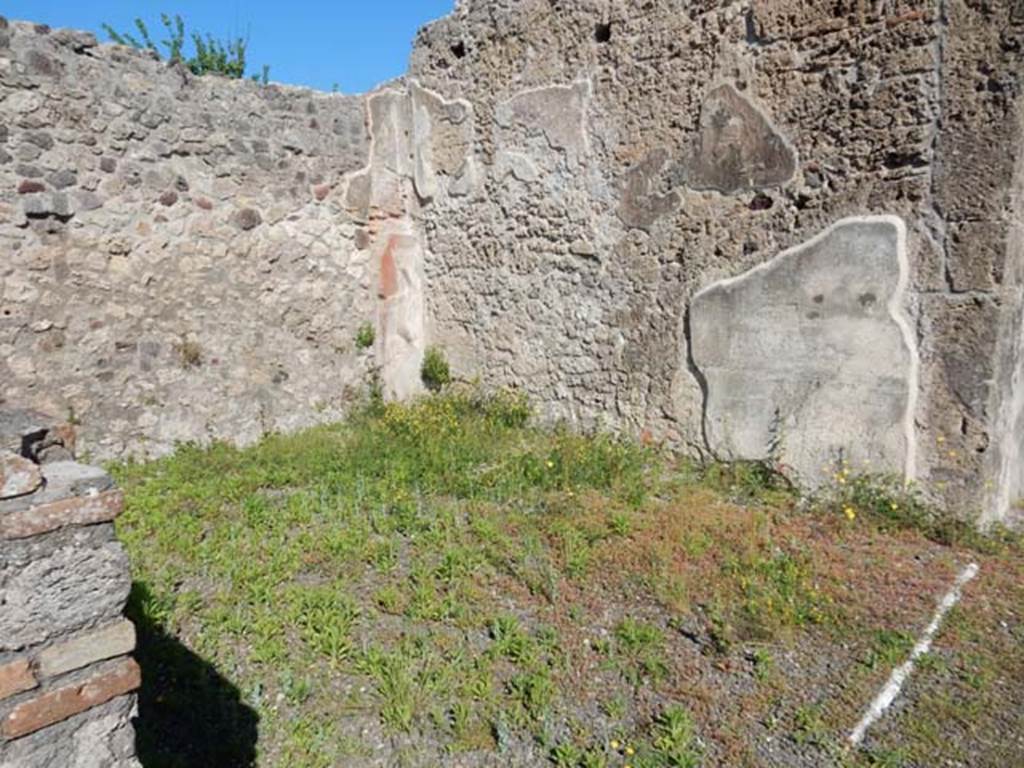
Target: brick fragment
(98, 645)
(15, 677)
(80, 510)
(30, 186)
(62, 703)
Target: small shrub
(641, 648)
(809, 726)
(889, 648)
(365, 336)
(505, 408)
(763, 664)
(435, 371)
(211, 56)
(749, 481)
(566, 755)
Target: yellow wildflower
(630, 751)
(851, 513)
(614, 744)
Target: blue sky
(354, 43)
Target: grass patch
(445, 578)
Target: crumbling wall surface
(628, 156)
(630, 210)
(67, 679)
(972, 328)
(176, 263)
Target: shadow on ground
(189, 715)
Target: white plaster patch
(798, 361)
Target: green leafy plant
(365, 336)
(210, 55)
(889, 648)
(763, 663)
(435, 371)
(675, 739)
(566, 755)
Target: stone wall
(768, 230)
(176, 264)
(67, 681)
(771, 230)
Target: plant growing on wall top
(210, 56)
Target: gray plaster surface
(809, 358)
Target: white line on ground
(899, 675)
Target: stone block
(93, 646)
(60, 704)
(74, 495)
(69, 588)
(18, 476)
(101, 737)
(84, 510)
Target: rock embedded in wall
(809, 358)
(18, 476)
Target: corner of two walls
(551, 206)
(420, 157)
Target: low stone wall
(67, 679)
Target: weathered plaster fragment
(642, 203)
(556, 112)
(809, 357)
(738, 149)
